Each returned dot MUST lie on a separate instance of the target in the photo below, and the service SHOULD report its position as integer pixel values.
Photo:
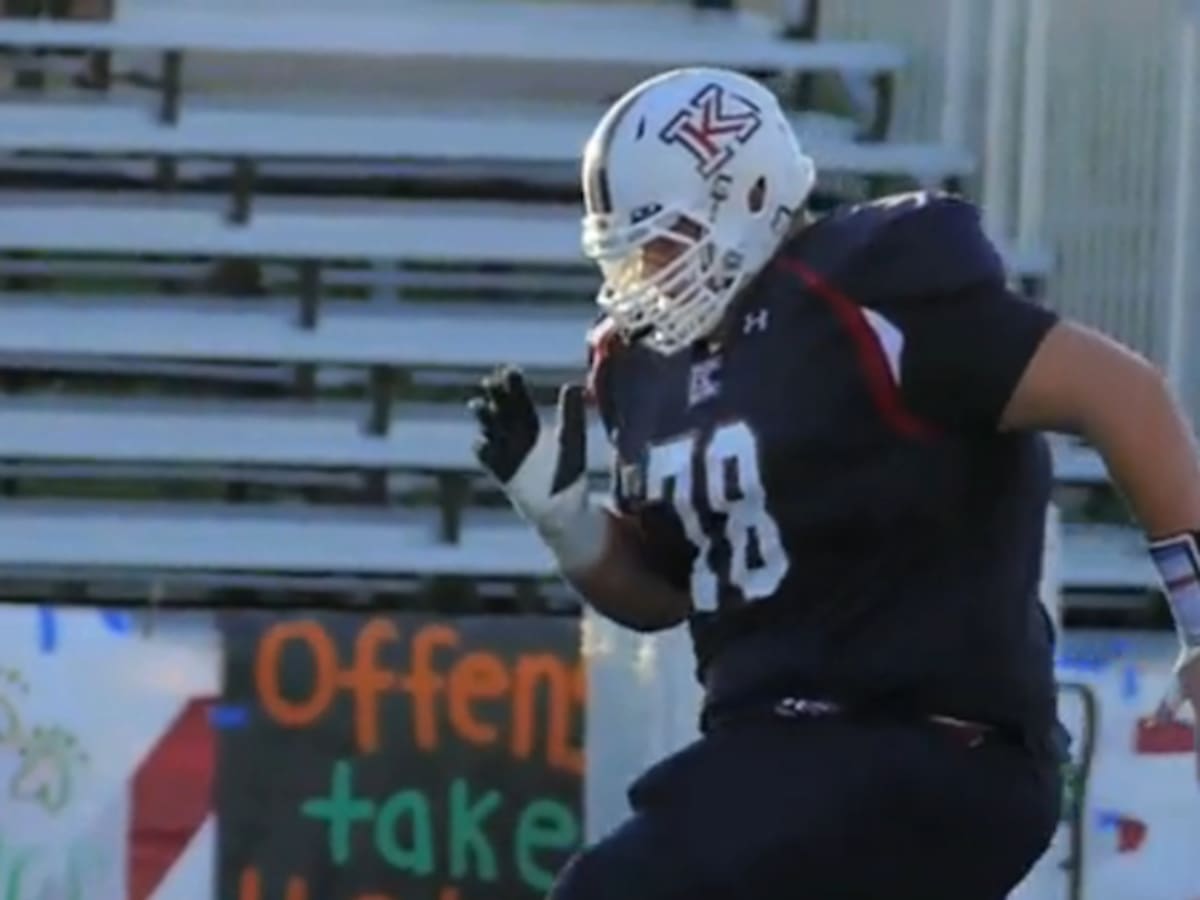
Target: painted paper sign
(398, 756)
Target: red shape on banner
(1131, 834)
(1155, 738)
(172, 795)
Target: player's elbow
(632, 597)
(645, 624)
(621, 587)
(646, 610)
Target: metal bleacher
(411, 285)
(548, 133)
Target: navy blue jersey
(830, 483)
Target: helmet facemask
(667, 279)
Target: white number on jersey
(732, 486)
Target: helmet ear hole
(756, 197)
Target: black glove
(543, 472)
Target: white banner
(86, 699)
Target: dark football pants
(826, 809)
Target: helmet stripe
(597, 194)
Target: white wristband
(1178, 562)
(578, 542)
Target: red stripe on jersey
(600, 342)
(870, 354)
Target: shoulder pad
(923, 244)
(889, 208)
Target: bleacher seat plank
(1105, 558)
(1076, 463)
(112, 536)
(460, 232)
(182, 433)
(378, 280)
(458, 131)
(421, 437)
(417, 335)
(523, 33)
(276, 434)
(445, 231)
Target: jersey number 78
(731, 491)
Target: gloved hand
(542, 471)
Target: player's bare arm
(1082, 382)
(1085, 383)
(544, 474)
(622, 587)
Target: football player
(829, 463)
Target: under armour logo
(711, 127)
(703, 383)
(755, 321)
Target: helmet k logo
(711, 127)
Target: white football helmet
(691, 181)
